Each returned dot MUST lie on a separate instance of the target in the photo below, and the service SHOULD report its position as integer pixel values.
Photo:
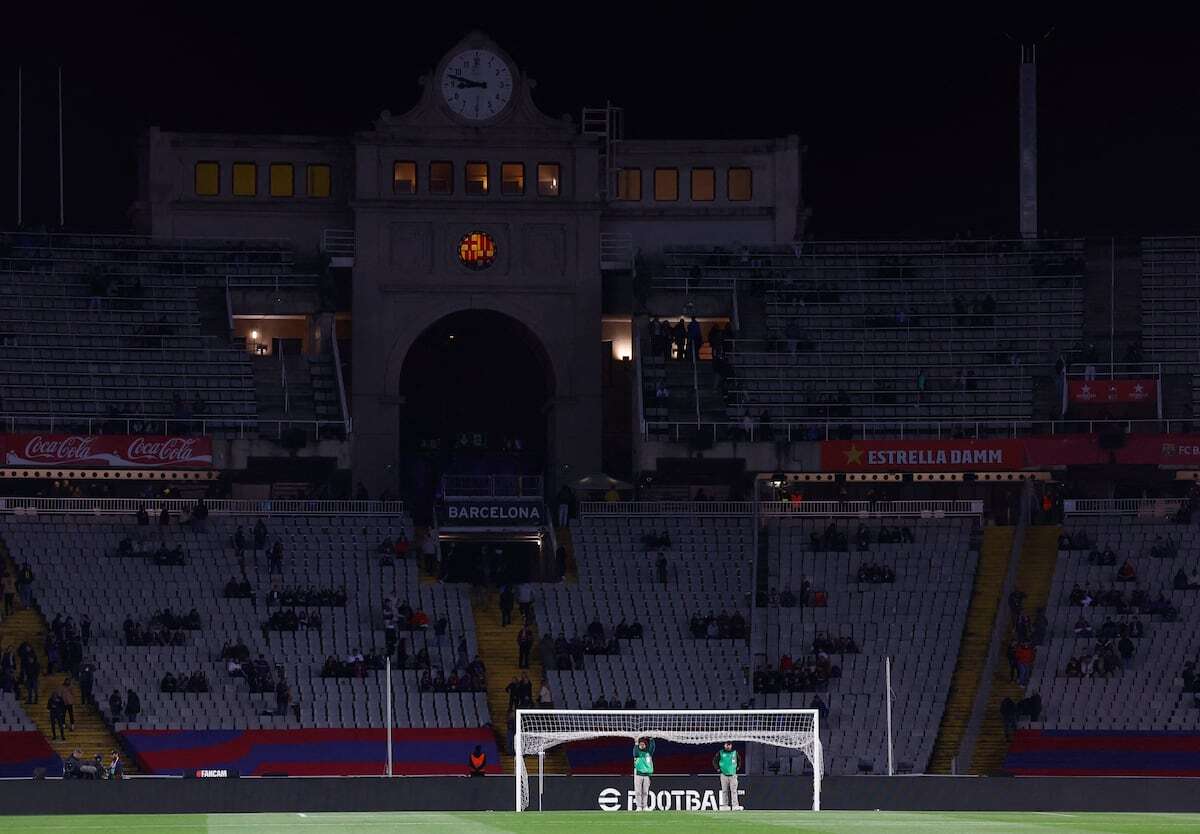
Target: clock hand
(466, 82)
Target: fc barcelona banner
(1104, 391)
(116, 451)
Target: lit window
(740, 184)
(477, 250)
(404, 178)
(208, 179)
(549, 181)
(320, 180)
(666, 184)
(512, 178)
(283, 179)
(704, 184)
(629, 184)
(245, 179)
(477, 178)
(441, 178)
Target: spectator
(1024, 655)
(58, 713)
(524, 646)
(115, 708)
(133, 706)
(506, 605)
(143, 517)
(660, 568)
(545, 698)
(1008, 713)
(8, 586)
(260, 535)
(25, 585)
(67, 695)
(525, 601)
(478, 761)
(164, 517)
(1126, 572)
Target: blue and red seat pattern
(23, 752)
(1091, 753)
(615, 756)
(316, 752)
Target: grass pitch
(750, 822)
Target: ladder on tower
(608, 124)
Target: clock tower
(474, 209)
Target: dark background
(910, 124)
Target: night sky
(910, 125)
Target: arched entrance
(477, 392)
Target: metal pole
(1112, 286)
(888, 696)
(20, 146)
(541, 776)
(519, 763)
(61, 207)
(389, 714)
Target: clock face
(477, 84)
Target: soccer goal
(539, 730)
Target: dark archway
(478, 392)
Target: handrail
(72, 424)
(153, 244)
(782, 509)
(221, 506)
(638, 389)
(493, 486)
(228, 305)
(1157, 507)
(964, 428)
(283, 381)
(339, 242)
(693, 350)
(341, 384)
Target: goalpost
(539, 730)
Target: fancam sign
(610, 799)
(491, 513)
(117, 451)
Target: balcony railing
(230, 506)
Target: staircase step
(1039, 555)
(91, 734)
(973, 650)
(498, 650)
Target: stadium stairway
(91, 734)
(1035, 571)
(498, 649)
(973, 650)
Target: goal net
(539, 730)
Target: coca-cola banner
(1101, 391)
(118, 451)
(1173, 450)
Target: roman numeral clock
(477, 84)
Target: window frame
(729, 179)
(416, 173)
(538, 175)
(503, 180)
(487, 178)
(671, 170)
(254, 167)
(196, 178)
(640, 192)
(712, 172)
(309, 167)
(271, 166)
(450, 189)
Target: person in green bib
(643, 769)
(725, 762)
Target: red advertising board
(921, 455)
(1105, 391)
(1007, 454)
(117, 451)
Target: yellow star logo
(854, 455)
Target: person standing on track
(643, 769)
(725, 762)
